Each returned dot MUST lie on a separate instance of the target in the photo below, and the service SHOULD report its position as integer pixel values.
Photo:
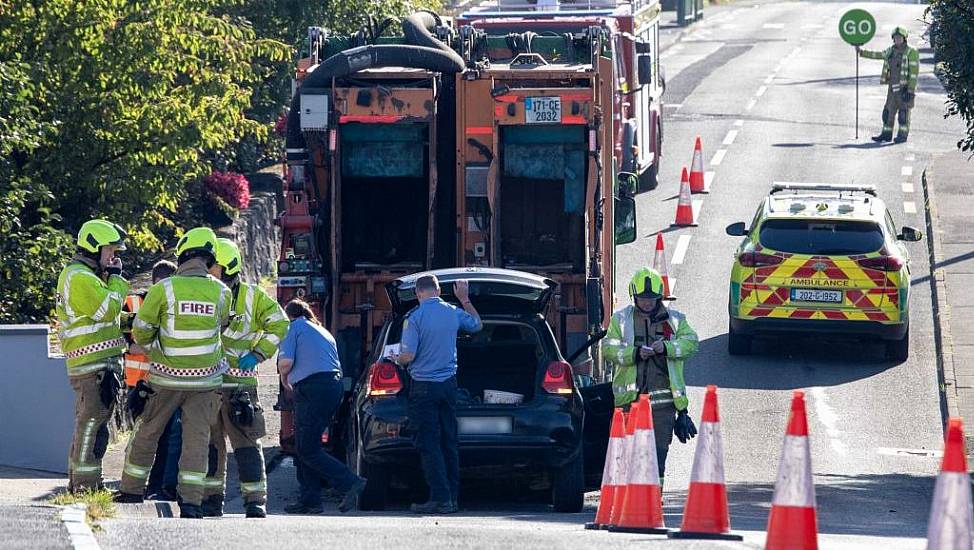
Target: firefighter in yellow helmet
(901, 67)
(647, 344)
(180, 324)
(90, 292)
(256, 330)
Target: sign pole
(857, 27)
(857, 92)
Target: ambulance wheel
(738, 344)
(568, 486)
(899, 350)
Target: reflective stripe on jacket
(258, 325)
(180, 323)
(88, 311)
(619, 349)
(909, 66)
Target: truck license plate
(816, 295)
(541, 110)
(481, 425)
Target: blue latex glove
(248, 362)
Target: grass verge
(100, 503)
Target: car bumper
(766, 325)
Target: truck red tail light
(881, 263)
(558, 378)
(756, 259)
(384, 379)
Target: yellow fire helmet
(646, 282)
(228, 256)
(95, 234)
(197, 238)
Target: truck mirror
(645, 69)
(625, 220)
(736, 229)
(626, 184)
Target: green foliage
(952, 28)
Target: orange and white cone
(705, 515)
(698, 181)
(659, 264)
(951, 523)
(610, 473)
(684, 206)
(627, 451)
(793, 524)
(642, 507)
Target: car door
(599, 406)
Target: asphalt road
(772, 85)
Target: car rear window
(821, 237)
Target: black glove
(137, 397)
(242, 409)
(684, 428)
(114, 270)
(907, 95)
(109, 383)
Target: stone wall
(257, 236)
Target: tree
(952, 28)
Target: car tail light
(384, 379)
(756, 259)
(558, 378)
(882, 263)
(324, 436)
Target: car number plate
(481, 425)
(540, 110)
(816, 295)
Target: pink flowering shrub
(232, 187)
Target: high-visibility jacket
(620, 349)
(136, 364)
(180, 323)
(909, 66)
(88, 312)
(258, 325)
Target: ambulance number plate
(542, 110)
(816, 295)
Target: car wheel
(376, 491)
(899, 350)
(738, 344)
(568, 487)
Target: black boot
(128, 498)
(190, 511)
(885, 136)
(900, 138)
(213, 506)
(255, 510)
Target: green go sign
(857, 27)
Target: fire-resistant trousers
(90, 432)
(896, 110)
(200, 409)
(245, 441)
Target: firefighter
(258, 325)
(180, 323)
(901, 65)
(648, 344)
(90, 292)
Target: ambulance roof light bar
(779, 186)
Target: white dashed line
(718, 157)
(731, 136)
(906, 171)
(738, 123)
(910, 157)
(770, 79)
(829, 418)
(673, 105)
(812, 26)
(907, 187)
(761, 91)
(751, 104)
(697, 206)
(681, 249)
(777, 69)
(773, 26)
(708, 178)
(909, 207)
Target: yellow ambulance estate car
(821, 258)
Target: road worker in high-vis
(90, 292)
(256, 330)
(180, 324)
(647, 344)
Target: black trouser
(433, 414)
(316, 398)
(664, 418)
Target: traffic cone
(698, 183)
(951, 523)
(642, 507)
(610, 473)
(684, 206)
(793, 522)
(659, 264)
(624, 470)
(705, 515)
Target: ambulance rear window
(821, 237)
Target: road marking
(777, 69)
(761, 91)
(918, 453)
(681, 249)
(907, 187)
(795, 51)
(708, 178)
(812, 26)
(828, 418)
(718, 157)
(773, 26)
(673, 105)
(751, 104)
(910, 157)
(73, 518)
(770, 79)
(738, 123)
(909, 207)
(731, 136)
(697, 206)
(906, 171)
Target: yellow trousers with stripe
(90, 433)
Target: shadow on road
(865, 145)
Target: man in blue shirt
(429, 347)
(309, 367)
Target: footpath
(950, 202)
